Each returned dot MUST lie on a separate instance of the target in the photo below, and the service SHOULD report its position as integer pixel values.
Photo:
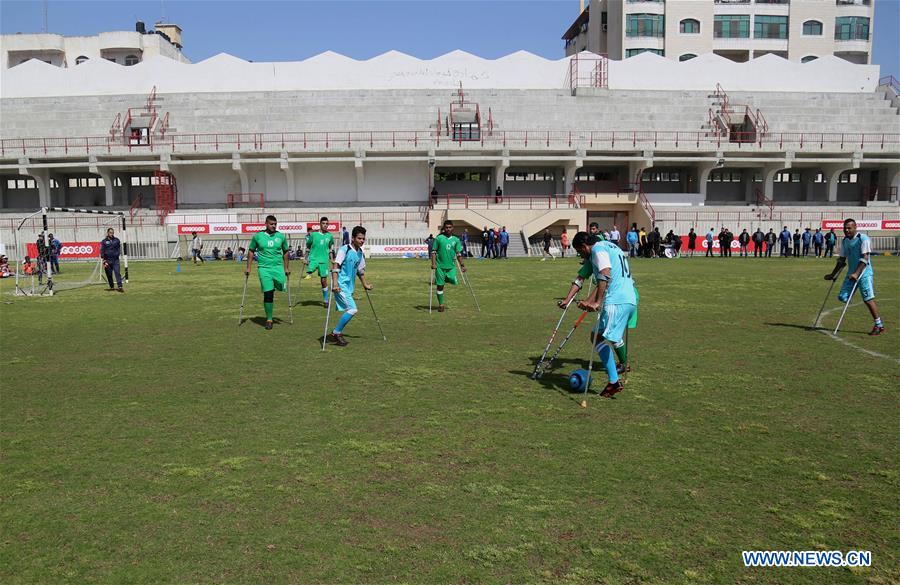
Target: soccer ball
(577, 380)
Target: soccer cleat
(622, 368)
(612, 389)
(338, 339)
(120, 289)
(110, 289)
(877, 330)
(440, 308)
(268, 325)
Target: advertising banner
(72, 250)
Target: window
(466, 131)
(525, 176)
(851, 28)
(645, 25)
(633, 52)
(812, 28)
(80, 59)
(787, 177)
(25, 184)
(773, 1)
(594, 176)
(770, 27)
(54, 184)
(462, 176)
(131, 60)
(689, 26)
(661, 177)
(808, 58)
(686, 57)
(113, 59)
(848, 177)
(731, 26)
(725, 177)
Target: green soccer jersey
(445, 251)
(318, 245)
(586, 270)
(269, 249)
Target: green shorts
(445, 275)
(322, 266)
(271, 279)
(632, 322)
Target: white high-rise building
(122, 47)
(798, 30)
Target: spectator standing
(492, 253)
(721, 239)
(642, 242)
(465, 243)
(771, 239)
(807, 239)
(676, 243)
(785, 238)
(498, 195)
(744, 241)
(496, 242)
(758, 238)
(709, 243)
(632, 239)
(110, 250)
(55, 249)
(564, 240)
(345, 236)
(818, 240)
(614, 236)
(197, 248)
(657, 242)
(484, 242)
(797, 238)
(729, 237)
(429, 241)
(692, 241)
(547, 238)
(503, 238)
(830, 241)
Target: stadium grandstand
(399, 144)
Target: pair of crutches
(540, 367)
(465, 280)
(290, 302)
(846, 305)
(328, 312)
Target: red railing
(465, 201)
(592, 71)
(413, 139)
(890, 81)
(233, 199)
(164, 126)
(366, 218)
(151, 100)
(135, 205)
(116, 127)
(763, 201)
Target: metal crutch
(846, 305)
(243, 297)
(563, 344)
(431, 292)
(290, 304)
(468, 285)
(328, 308)
(537, 368)
(372, 306)
(587, 383)
(824, 302)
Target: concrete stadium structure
(401, 143)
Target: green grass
(148, 439)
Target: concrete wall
(400, 181)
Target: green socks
(270, 310)
(622, 354)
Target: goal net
(58, 249)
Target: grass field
(148, 439)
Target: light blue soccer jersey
(620, 289)
(351, 262)
(853, 249)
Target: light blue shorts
(344, 300)
(866, 288)
(613, 322)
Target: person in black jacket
(692, 241)
(797, 237)
(484, 242)
(110, 250)
(758, 239)
(771, 240)
(744, 241)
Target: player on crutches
(856, 250)
(270, 248)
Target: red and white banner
(413, 250)
(863, 224)
(333, 226)
(71, 250)
(225, 229)
(189, 228)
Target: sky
(290, 30)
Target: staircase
(166, 191)
(516, 247)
